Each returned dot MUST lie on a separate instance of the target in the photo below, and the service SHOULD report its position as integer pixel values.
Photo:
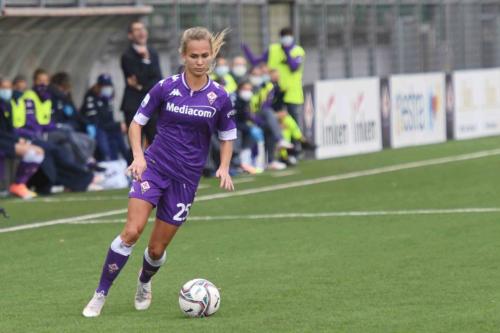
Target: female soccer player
(191, 107)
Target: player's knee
(131, 234)
(38, 150)
(156, 251)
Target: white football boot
(93, 309)
(143, 295)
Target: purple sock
(24, 172)
(116, 259)
(150, 266)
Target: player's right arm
(149, 105)
(138, 165)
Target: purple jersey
(186, 122)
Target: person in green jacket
(288, 58)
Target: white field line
(318, 215)
(83, 198)
(284, 173)
(70, 199)
(355, 174)
(243, 180)
(350, 175)
(63, 221)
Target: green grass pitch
(392, 251)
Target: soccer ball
(199, 298)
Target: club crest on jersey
(175, 92)
(113, 268)
(211, 97)
(144, 187)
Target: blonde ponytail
(217, 41)
(200, 33)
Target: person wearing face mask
(64, 111)
(222, 76)
(32, 108)
(19, 86)
(249, 130)
(141, 68)
(37, 118)
(288, 59)
(260, 105)
(239, 69)
(11, 146)
(97, 110)
(31, 119)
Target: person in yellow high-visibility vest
(288, 58)
(11, 146)
(223, 76)
(291, 133)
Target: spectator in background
(141, 69)
(12, 146)
(222, 76)
(97, 110)
(31, 116)
(239, 69)
(249, 132)
(19, 86)
(292, 133)
(277, 94)
(78, 145)
(288, 59)
(260, 104)
(64, 110)
(32, 109)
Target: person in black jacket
(97, 111)
(64, 110)
(141, 69)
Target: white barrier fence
(417, 109)
(477, 103)
(347, 117)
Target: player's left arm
(226, 152)
(226, 127)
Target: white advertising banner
(347, 117)
(417, 109)
(477, 103)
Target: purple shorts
(172, 199)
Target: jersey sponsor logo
(204, 111)
(231, 113)
(175, 78)
(211, 97)
(145, 101)
(175, 92)
(161, 82)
